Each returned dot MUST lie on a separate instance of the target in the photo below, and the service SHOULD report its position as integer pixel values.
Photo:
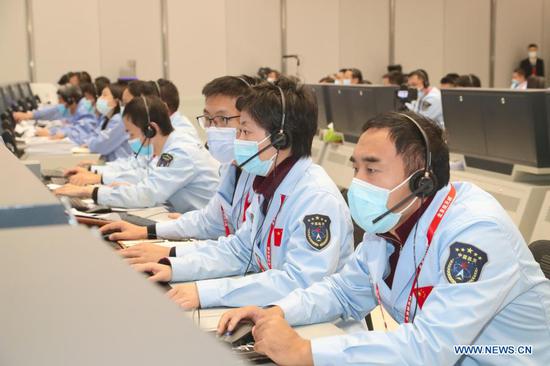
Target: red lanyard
(225, 223)
(246, 206)
(272, 227)
(431, 231)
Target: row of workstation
(73, 300)
(499, 140)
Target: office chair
(541, 252)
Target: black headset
(424, 76)
(423, 183)
(148, 131)
(280, 138)
(70, 93)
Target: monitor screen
(26, 90)
(16, 92)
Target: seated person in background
(327, 80)
(297, 228)
(532, 65)
(109, 138)
(468, 81)
(170, 95)
(355, 76)
(72, 107)
(122, 169)
(393, 78)
(519, 82)
(428, 103)
(180, 172)
(449, 80)
(226, 211)
(448, 264)
(89, 93)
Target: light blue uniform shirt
(312, 237)
(111, 142)
(507, 303)
(179, 121)
(187, 182)
(430, 106)
(226, 207)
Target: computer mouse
(241, 334)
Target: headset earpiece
(280, 139)
(423, 184)
(149, 131)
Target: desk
(24, 200)
(67, 299)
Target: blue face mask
(367, 202)
(102, 106)
(244, 150)
(63, 110)
(146, 150)
(87, 104)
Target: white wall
(209, 38)
(13, 41)
(66, 37)
(130, 32)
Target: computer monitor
(320, 94)
(495, 129)
(15, 92)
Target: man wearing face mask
(532, 65)
(428, 103)
(443, 259)
(226, 211)
(297, 228)
(519, 82)
(180, 171)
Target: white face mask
(347, 81)
(221, 142)
(532, 54)
(271, 80)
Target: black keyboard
(136, 220)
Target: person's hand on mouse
(174, 215)
(277, 340)
(144, 253)
(122, 230)
(231, 318)
(161, 272)
(185, 295)
(82, 179)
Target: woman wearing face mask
(297, 229)
(110, 138)
(226, 211)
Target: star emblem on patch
(317, 230)
(465, 263)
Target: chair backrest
(541, 252)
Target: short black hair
(116, 90)
(70, 94)
(520, 71)
(140, 87)
(169, 94)
(158, 113)
(88, 88)
(394, 77)
(100, 83)
(230, 86)
(450, 78)
(410, 145)
(532, 45)
(264, 105)
(356, 74)
(64, 79)
(469, 81)
(422, 74)
(84, 77)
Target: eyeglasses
(216, 121)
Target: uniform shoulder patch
(465, 263)
(317, 230)
(165, 160)
(426, 105)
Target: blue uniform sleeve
(48, 113)
(303, 264)
(453, 314)
(158, 184)
(110, 139)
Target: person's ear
(156, 127)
